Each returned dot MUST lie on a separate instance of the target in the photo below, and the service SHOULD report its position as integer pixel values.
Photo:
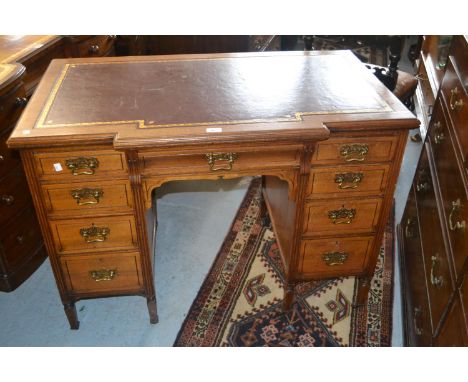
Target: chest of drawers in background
(23, 60)
(21, 246)
(433, 237)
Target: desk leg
(152, 309)
(363, 290)
(288, 296)
(70, 311)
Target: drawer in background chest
(20, 238)
(80, 165)
(360, 180)
(94, 234)
(9, 159)
(14, 194)
(334, 257)
(102, 273)
(11, 106)
(341, 216)
(88, 197)
(340, 150)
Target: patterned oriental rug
(239, 303)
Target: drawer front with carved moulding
(338, 150)
(224, 159)
(435, 256)
(333, 257)
(80, 165)
(88, 197)
(418, 320)
(102, 273)
(454, 197)
(454, 92)
(347, 216)
(348, 180)
(94, 234)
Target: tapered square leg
(152, 309)
(72, 315)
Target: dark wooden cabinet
(21, 245)
(433, 237)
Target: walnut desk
(100, 134)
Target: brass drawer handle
(95, 234)
(348, 180)
(417, 312)
(335, 258)
(7, 200)
(436, 281)
(103, 274)
(353, 153)
(454, 103)
(423, 186)
(223, 157)
(439, 135)
(87, 194)
(21, 101)
(93, 49)
(409, 228)
(342, 216)
(2, 158)
(82, 165)
(455, 209)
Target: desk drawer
(89, 197)
(80, 165)
(20, 238)
(457, 101)
(221, 160)
(335, 257)
(14, 194)
(348, 180)
(101, 273)
(11, 106)
(338, 150)
(454, 197)
(94, 234)
(346, 216)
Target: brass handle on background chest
(455, 104)
(439, 135)
(335, 258)
(417, 313)
(7, 200)
(436, 281)
(103, 274)
(94, 49)
(348, 180)
(21, 101)
(95, 234)
(342, 216)
(82, 165)
(84, 196)
(354, 153)
(409, 228)
(226, 159)
(456, 206)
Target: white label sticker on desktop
(214, 130)
(58, 167)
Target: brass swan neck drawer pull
(409, 228)
(436, 281)
(456, 205)
(103, 274)
(85, 196)
(455, 104)
(82, 165)
(95, 234)
(354, 153)
(439, 135)
(348, 180)
(227, 160)
(342, 216)
(417, 313)
(7, 200)
(335, 258)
